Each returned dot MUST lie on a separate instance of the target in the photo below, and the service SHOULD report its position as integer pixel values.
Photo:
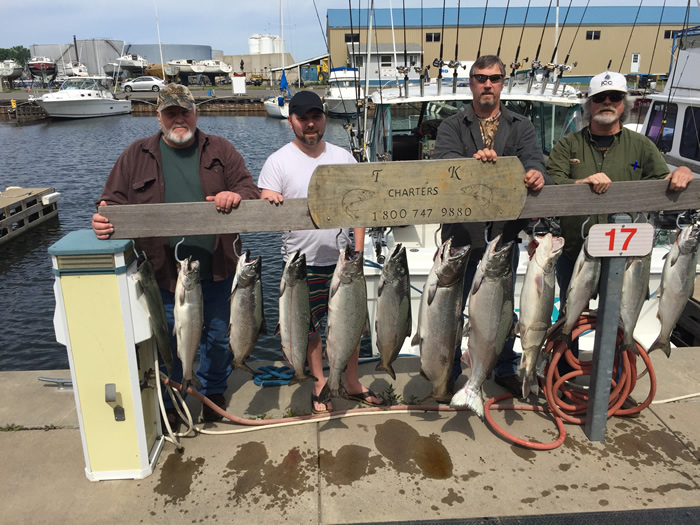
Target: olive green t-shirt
(182, 184)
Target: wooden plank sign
(417, 192)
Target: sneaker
(512, 383)
(211, 415)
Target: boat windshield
(408, 131)
(662, 125)
(82, 83)
(344, 83)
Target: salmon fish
(295, 316)
(536, 304)
(189, 319)
(393, 321)
(347, 319)
(247, 320)
(440, 319)
(490, 321)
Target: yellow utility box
(111, 353)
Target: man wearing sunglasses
(485, 130)
(601, 153)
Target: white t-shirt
(288, 171)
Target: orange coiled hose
(570, 404)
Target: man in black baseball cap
(286, 175)
(303, 102)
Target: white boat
(10, 70)
(72, 69)
(187, 65)
(342, 93)
(672, 119)
(216, 67)
(83, 97)
(42, 68)
(278, 107)
(132, 63)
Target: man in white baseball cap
(602, 152)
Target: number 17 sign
(620, 240)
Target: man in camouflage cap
(175, 95)
(181, 163)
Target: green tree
(20, 54)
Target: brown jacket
(137, 178)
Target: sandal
(315, 399)
(362, 397)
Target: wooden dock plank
(152, 220)
(21, 209)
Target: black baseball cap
(303, 102)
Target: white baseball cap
(608, 81)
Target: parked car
(143, 84)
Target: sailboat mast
(160, 47)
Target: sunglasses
(481, 79)
(615, 96)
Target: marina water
(75, 157)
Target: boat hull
(85, 108)
(274, 109)
(341, 108)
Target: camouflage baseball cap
(175, 95)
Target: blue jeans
(507, 363)
(215, 357)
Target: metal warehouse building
(630, 38)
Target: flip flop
(362, 397)
(314, 399)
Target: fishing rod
(483, 25)
(515, 64)
(419, 69)
(455, 63)
(646, 85)
(564, 66)
(503, 28)
(438, 63)
(551, 65)
(405, 69)
(536, 64)
(619, 69)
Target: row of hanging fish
(440, 324)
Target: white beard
(178, 139)
(605, 119)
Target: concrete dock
(384, 467)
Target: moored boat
(42, 68)
(187, 65)
(132, 63)
(343, 92)
(83, 97)
(672, 119)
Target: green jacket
(632, 156)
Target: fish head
(189, 273)
(295, 268)
(451, 262)
(248, 270)
(351, 265)
(396, 268)
(548, 250)
(688, 239)
(498, 258)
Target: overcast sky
(222, 24)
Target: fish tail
(325, 396)
(186, 383)
(665, 346)
(530, 385)
(341, 392)
(301, 378)
(471, 399)
(243, 366)
(629, 347)
(381, 367)
(197, 383)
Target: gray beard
(605, 119)
(178, 139)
